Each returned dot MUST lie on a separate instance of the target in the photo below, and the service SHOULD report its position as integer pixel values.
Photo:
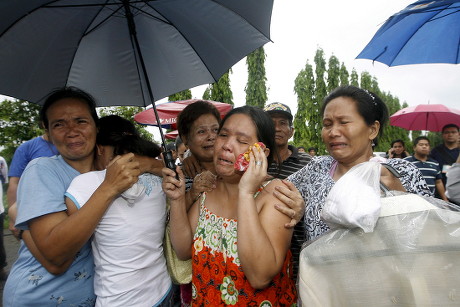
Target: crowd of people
(241, 203)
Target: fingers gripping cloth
(242, 162)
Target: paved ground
(11, 247)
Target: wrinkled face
(283, 130)
(397, 148)
(345, 133)
(237, 134)
(72, 129)
(450, 135)
(422, 148)
(202, 136)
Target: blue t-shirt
(429, 169)
(27, 151)
(41, 191)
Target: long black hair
(123, 136)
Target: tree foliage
(313, 84)
(207, 93)
(305, 89)
(183, 95)
(344, 75)
(127, 113)
(220, 90)
(19, 122)
(256, 89)
(333, 73)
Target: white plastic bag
(354, 201)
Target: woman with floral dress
(234, 234)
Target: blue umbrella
(424, 32)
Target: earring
(372, 143)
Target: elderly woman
(234, 234)
(353, 120)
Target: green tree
(354, 78)
(184, 95)
(333, 73)
(305, 89)
(256, 89)
(128, 113)
(19, 122)
(344, 75)
(366, 81)
(207, 93)
(315, 121)
(221, 91)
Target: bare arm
(263, 241)
(12, 190)
(180, 223)
(12, 210)
(59, 237)
(150, 165)
(191, 166)
(441, 189)
(49, 266)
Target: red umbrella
(168, 112)
(172, 134)
(430, 117)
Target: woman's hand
(292, 205)
(173, 188)
(256, 172)
(203, 182)
(122, 172)
(191, 166)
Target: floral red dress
(218, 278)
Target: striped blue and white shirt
(429, 169)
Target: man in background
(290, 160)
(37, 147)
(447, 153)
(312, 151)
(4, 180)
(427, 166)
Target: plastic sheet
(412, 258)
(354, 201)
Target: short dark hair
(398, 141)
(312, 148)
(418, 139)
(120, 133)
(301, 147)
(68, 92)
(178, 141)
(449, 126)
(369, 105)
(192, 112)
(264, 126)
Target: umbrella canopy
(169, 111)
(172, 134)
(424, 32)
(124, 52)
(430, 117)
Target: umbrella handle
(169, 161)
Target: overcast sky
(342, 28)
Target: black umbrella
(125, 53)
